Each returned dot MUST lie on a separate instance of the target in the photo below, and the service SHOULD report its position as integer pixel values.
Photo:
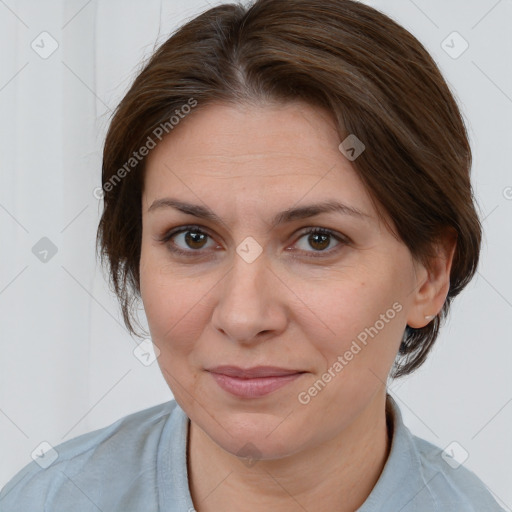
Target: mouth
(253, 382)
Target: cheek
(172, 305)
(346, 305)
(366, 321)
(176, 307)
(161, 293)
(173, 310)
(360, 318)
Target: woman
(286, 188)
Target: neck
(338, 474)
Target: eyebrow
(283, 217)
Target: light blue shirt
(138, 464)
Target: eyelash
(166, 239)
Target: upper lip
(254, 372)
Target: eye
(190, 240)
(320, 239)
(186, 240)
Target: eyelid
(166, 238)
(167, 235)
(340, 238)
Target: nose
(249, 305)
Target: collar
(400, 484)
(402, 480)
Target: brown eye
(192, 241)
(319, 239)
(187, 240)
(195, 239)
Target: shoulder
(77, 470)
(451, 485)
(419, 476)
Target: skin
(285, 308)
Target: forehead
(283, 151)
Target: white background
(66, 361)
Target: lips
(255, 372)
(253, 382)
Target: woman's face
(253, 287)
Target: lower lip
(252, 388)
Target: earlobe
(431, 294)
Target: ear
(433, 283)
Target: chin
(257, 449)
(258, 439)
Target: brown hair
(376, 79)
